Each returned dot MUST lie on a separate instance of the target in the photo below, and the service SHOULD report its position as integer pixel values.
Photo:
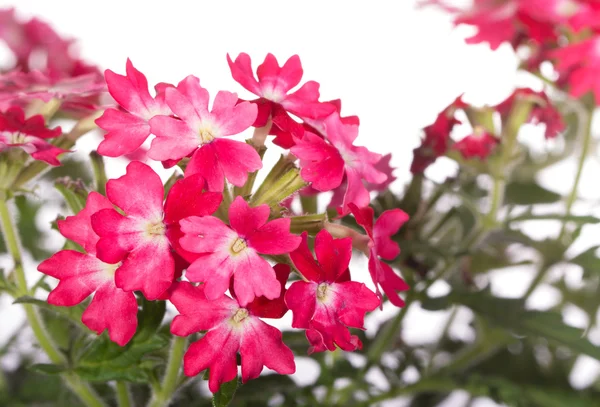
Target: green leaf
(224, 396)
(99, 172)
(150, 318)
(104, 360)
(588, 260)
(73, 191)
(71, 313)
(47, 368)
(560, 217)
(511, 315)
(529, 193)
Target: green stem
(168, 387)
(83, 390)
(123, 397)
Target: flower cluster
(219, 251)
(563, 32)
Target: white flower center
(239, 316)
(567, 8)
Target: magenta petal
(304, 261)
(321, 162)
(244, 219)
(356, 192)
(206, 163)
(387, 225)
(118, 235)
(125, 133)
(263, 307)
(236, 159)
(189, 100)
(78, 228)
(391, 283)
(232, 117)
(254, 277)
(241, 70)
(174, 139)
(138, 192)
(274, 238)
(205, 234)
(149, 268)
(80, 275)
(358, 300)
(216, 350)
(112, 309)
(261, 345)
(214, 270)
(197, 313)
(300, 299)
(333, 254)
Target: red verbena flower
(232, 328)
(30, 135)
(82, 274)
(328, 303)
(381, 246)
(203, 134)
(128, 128)
(274, 84)
(138, 238)
(479, 144)
(234, 251)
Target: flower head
(82, 274)
(232, 328)
(479, 144)
(202, 134)
(235, 250)
(328, 303)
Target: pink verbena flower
(127, 129)
(203, 134)
(274, 84)
(325, 162)
(82, 274)
(437, 138)
(328, 303)
(232, 328)
(381, 246)
(30, 135)
(542, 112)
(234, 251)
(479, 144)
(138, 238)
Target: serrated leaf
(529, 193)
(225, 395)
(104, 360)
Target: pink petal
(304, 102)
(125, 133)
(254, 277)
(244, 219)
(236, 159)
(112, 309)
(139, 192)
(387, 225)
(205, 234)
(304, 261)
(189, 101)
(279, 80)
(356, 192)
(118, 235)
(321, 162)
(261, 345)
(48, 153)
(149, 268)
(333, 254)
(232, 117)
(217, 351)
(130, 91)
(357, 300)
(390, 282)
(206, 163)
(78, 228)
(197, 313)
(241, 71)
(80, 275)
(263, 307)
(274, 238)
(174, 139)
(301, 299)
(214, 270)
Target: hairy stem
(168, 386)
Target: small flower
(202, 134)
(328, 303)
(232, 328)
(137, 239)
(274, 84)
(234, 251)
(382, 246)
(82, 274)
(480, 144)
(128, 129)
(30, 135)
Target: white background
(392, 65)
